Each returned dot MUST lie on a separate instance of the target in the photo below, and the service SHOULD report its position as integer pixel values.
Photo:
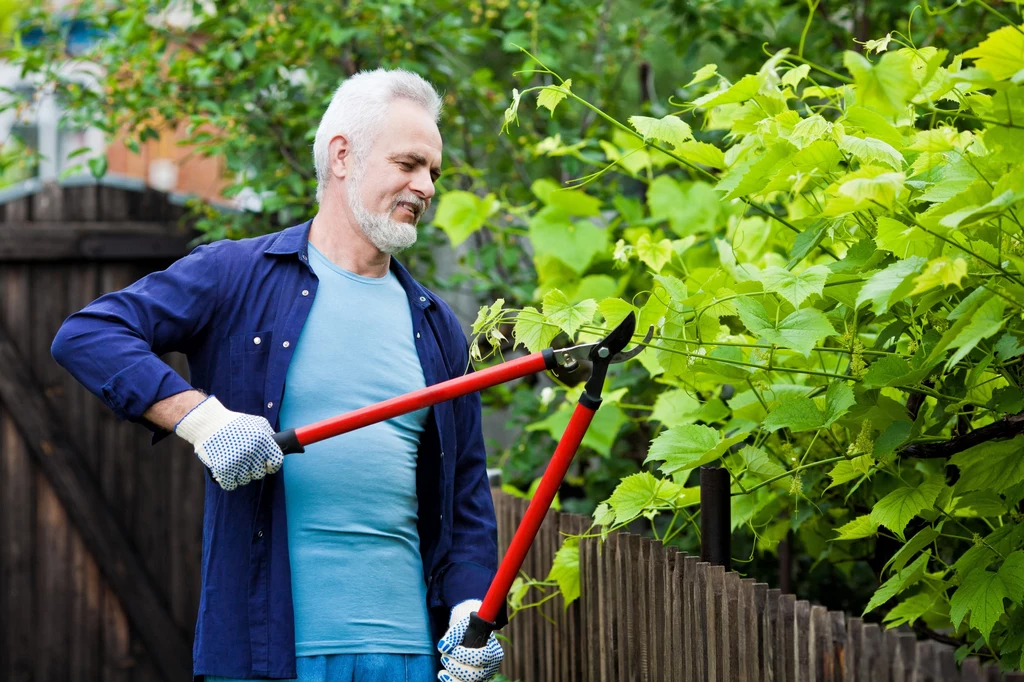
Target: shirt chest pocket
(250, 355)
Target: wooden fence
(648, 613)
(100, 533)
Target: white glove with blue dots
(460, 663)
(237, 448)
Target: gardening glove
(462, 664)
(237, 448)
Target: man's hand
(237, 448)
(462, 664)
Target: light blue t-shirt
(357, 577)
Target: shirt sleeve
(474, 551)
(113, 345)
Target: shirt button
(259, 533)
(423, 298)
(270, 404)
(285, 344)
(305, 292)
(257, 340)
(417, 335)
(442, 454)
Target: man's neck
(335, 234)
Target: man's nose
(422, 184)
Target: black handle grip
(288, 442)
(478, 632)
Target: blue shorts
(361, 668)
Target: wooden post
(715, 517)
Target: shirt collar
(295, 240)
(292, 240)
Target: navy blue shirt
(210, 306)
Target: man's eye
(405, 166)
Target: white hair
(358, 109)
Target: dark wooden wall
(85, 499)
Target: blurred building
(162, 163)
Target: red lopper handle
(294, 440)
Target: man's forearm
(169, 411)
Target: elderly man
(345, 562)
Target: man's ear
(339, 156)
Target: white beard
(383, 231)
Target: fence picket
(731, 626)
(819, 642)
(787, 638)
(656, 595)
(770, 636)
(641, 611)
(691, 662)
(801, 640)
(837, 657)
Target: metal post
(715, 517)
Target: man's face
(393, 188)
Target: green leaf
(874, 125)
(921, 540)
(986, 322)
(633, 495)
(792, 286)
(886, 86)
(902, 240)
(703, 73)
(98, 166)
(551, 95)
(565, 570)
(899, 582)
(850, 470)
(793, 77)
(754, 174)
(802, 414)
(531, 330)
(865, 192)
(702, 153)
(911, 609)
(940, 272)
(995, 465)
(1001, 53)
(690, 208)
(981, 594)
(885, 286)
(811, 129)
(894, 435)
(741, 91)
(869, 150)
(1012, 575)
(895, 510)
(796, 414)
(615, 310)
(654, 254)
(574, 202)
(886, 372)
(689, 446)
(1008, 347)
(861, 527)
(670, 129)
(460, 214)
(575, 244)
(800, 330)
(759, 463)
(675, 408)
(567, 315)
